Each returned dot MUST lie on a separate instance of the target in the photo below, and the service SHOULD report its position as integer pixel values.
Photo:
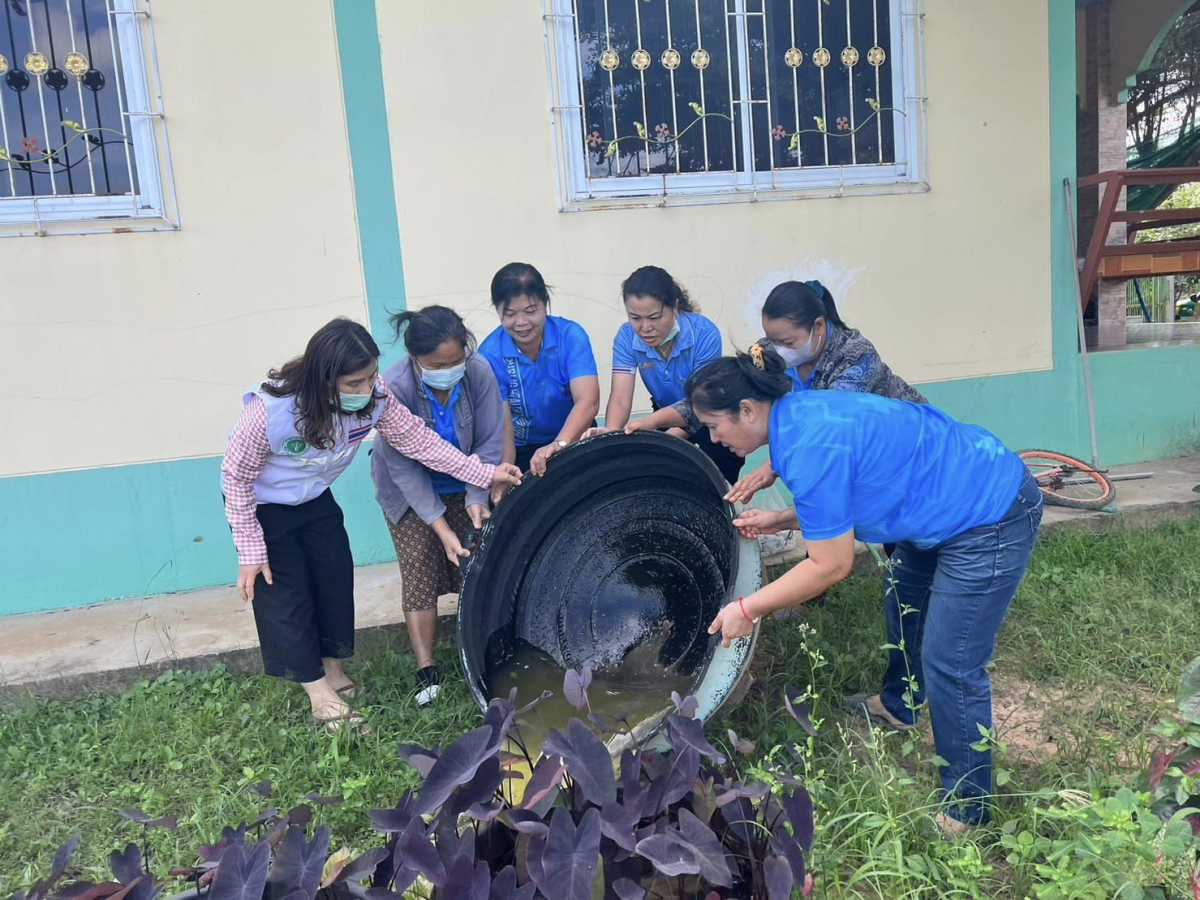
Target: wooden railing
(1132, 260)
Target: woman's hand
(596, 430)
(537, 465)
(732, 623)
(678, 432)
(497, 494)
(247, 575)
(453, 546)
(505, 474)
(754, 523)
(748, 486)
(477, 512)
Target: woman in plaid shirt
(298, 432)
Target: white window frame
(577, 191)
(153, 207)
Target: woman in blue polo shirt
(666, 340)
(961, 507)
(545, 367)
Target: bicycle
(1066, 481)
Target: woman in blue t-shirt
(545, 367)
(961, 508)
(665, 340)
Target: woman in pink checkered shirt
(298, 432)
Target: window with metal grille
(657, 98)
(81, 134)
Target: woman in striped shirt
(298, 432)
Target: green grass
(1102, 628)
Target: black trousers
(308, 613)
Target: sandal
(354, 692)
(857, 704)
(352, 721)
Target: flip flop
(352, 721)
(857, 704)
(354, 692)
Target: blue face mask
(444, 379)
(353, 402)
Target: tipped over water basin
(617, 560)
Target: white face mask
(798, 356)
(672, 334)
(444, 379)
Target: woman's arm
(620, 401)
(245, 456)
(585, 392)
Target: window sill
(106, 225)
(742, 195)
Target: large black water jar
(625, 543)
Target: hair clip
(756, 357)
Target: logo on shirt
(294, 446)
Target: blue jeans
(945, 606)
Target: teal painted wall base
(74, 538)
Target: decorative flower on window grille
(876, 55)
(843, 123)
(662, 131)
(779, 132)
(29, 145)
(595, 140)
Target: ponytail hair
(424, 330)
(802, 303)
(722, 385)
(518, 279)
(656, 282)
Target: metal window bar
(29, 17)
(87, 31)
(12, 184)
(126, 120)
(12, 43)
(83, 116)
(571, 91)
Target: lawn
(1087, 665)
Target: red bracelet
(742, 607)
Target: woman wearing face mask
(801, 323)
(298, 432)
(544, 366)
(961, 508)
(429, 513)
(666, 340)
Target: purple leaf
(798, 709)
(298, 864)
(739, 818)
(534, 704)
(505, 886)
(799, 808)
(301, 815)
(416, 854)
(484, 812)
(703, 801)
(127, 864)
(670, 854)
(524, 821)
(418, 757)
(468, 880)
(618, 824)
(499, 716)
(393, 821)
(571, 858)
(242, 873)
(749, 791)
(626, 889)
(451, 845)
(1159, 763)
(361, 867)
(690, 732)
(741, 746)
(632, 789)
(545, 778)
(675, 783)
(535, 846)
(686, 706)
(456, 766)
(575, 685)
(789, 848)
(263, 789)
(479, 789)
(587, 761)
(778, 875)
(710, 853)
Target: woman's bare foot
(952, 827)
(335, 676)
(330, 710)
(876, 708)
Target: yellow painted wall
(950, 284)
(134, 347)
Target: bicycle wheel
(1066, 481)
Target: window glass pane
(60, 68)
